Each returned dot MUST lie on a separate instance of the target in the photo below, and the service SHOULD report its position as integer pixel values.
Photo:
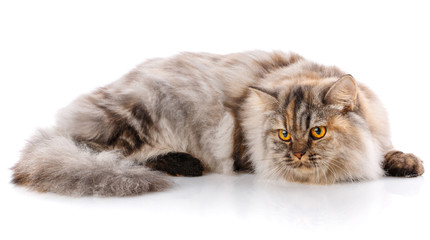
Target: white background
(52, 51)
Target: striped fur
(219, 113)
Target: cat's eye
(284, 135)
(318, 132)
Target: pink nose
(299, 155)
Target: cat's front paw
(401, 164)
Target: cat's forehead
(303, 96)
(304, 107)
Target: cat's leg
(176, 164)
(219, 143)
(401, 164)
(215, 155)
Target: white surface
(51, 51)
(216, 206)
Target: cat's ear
(268, 98)
(343, 93)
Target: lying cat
(276, 114)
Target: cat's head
(310, 131)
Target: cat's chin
(308, 175)
(303, 168)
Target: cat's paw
(177, 164)
(401, 164)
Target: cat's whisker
(286, 172)
(276, 172)
(334, 162)
(325, 177)
(323, 172)
(345, 169)
(331, 170)
(292, 174)
(317, 170)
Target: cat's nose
(299, 155)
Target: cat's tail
(53, 162)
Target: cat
(275, 114)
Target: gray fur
(202, 105)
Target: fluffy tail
(53, 162)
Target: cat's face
(314, 132)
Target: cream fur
(201, 104)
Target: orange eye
(284, 135)
(318, 132)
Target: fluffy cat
(276, 114)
